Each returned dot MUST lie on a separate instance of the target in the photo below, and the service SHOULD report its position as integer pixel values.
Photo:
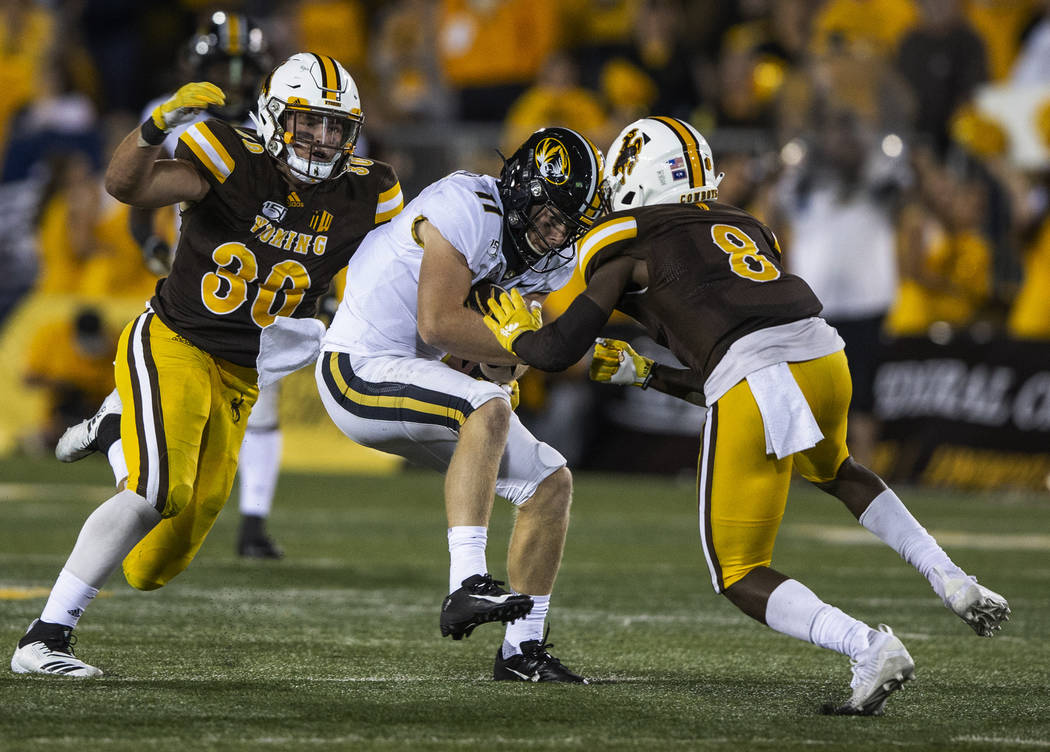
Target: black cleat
(478, 601)
(534, 664)
(253, 541)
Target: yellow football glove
(510, 317)
(183, 106)
(616, 362)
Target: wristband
(150, 134)
(648, 377)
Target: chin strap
(516, 263)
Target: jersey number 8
(224, 291)
(744, 257)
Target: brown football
(477, 300)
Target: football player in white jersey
(386, 379)
(231, 52)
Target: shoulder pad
(211, 143)
(607, 232)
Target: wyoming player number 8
(744, 257)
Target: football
(477, 300)
(478, 297)
(503, 374)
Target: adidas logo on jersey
(289, 240)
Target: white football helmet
(309, 116)
(660, 160)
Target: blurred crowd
(900, 149)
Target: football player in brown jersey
(268, 220)
(705, 279)
(230, 50)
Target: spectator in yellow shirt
(556, 99)
(491, 50)
(946, 259)
(71, 360)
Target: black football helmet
(557, 169)
(230, 51)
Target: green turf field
(337, 646)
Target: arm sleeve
(564, 341)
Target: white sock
(258, 467)
(466, 549)
(69, 597)
(528, 628)
(108, 534)
(895, 526)
(115, 455)
(795, 610)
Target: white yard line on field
(54, 492)
(995, 740)
(950, 538)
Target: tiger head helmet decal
(552, 161)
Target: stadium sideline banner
(965, 414)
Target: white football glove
(616, 362)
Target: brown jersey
(715, 274)
(257, 247)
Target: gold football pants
(182, 427)
(742, 491)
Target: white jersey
(377, 316)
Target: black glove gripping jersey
(257, 247)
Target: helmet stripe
(329, 73)
(589, 207)
(691, 147)
(233, 29)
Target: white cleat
(46, 649)
(975, 604)
(878, 672)
(80, 440)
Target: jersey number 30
(224, 291)
(744, 257)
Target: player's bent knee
(492, 418)
(553, 496)
(733, 574)
(178, 497)
(152, 569)
(560, 484)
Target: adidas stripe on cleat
(480, 600)
(47, 649)
(82, 439)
